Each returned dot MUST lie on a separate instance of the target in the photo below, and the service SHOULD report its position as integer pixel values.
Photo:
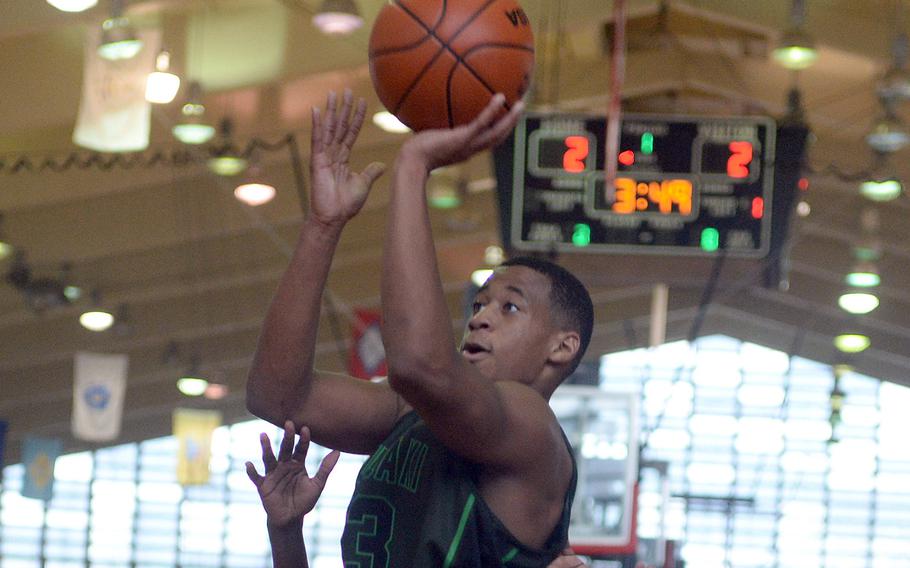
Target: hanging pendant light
(118, 38)
(338, 17)
(161, 86)
(192, 127)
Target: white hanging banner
(113, 113)
(99, 385)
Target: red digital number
(573, 161)
(739, 160)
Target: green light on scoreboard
(647, 143)
(581, 236)
(710, 239)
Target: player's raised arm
(466, 410)
(342, 412)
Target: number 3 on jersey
(372, 519)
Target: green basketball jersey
(416, 505)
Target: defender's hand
(286, 490)
(337, 192)
(445, 146)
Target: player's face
(509, 335)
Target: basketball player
(288, 493)
(468, 464)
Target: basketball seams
(404, 10)
(417, 79)
(460, 59)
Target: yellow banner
(193, 429)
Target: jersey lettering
(400, 465)
(371, 522)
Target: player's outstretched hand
(337, 192)
(445, 146)
(286, 490)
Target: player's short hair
(574, 309)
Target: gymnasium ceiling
(191, 267)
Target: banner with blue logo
(99, 385)
(193, 429)
(38, 457)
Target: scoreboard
(683, 185)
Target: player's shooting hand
(337, 192)
(286, 490)
(445, 146)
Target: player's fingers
(330, 120)
(356, 123)
(268, 458)
(500, 131)
(326, 467)
(487, 116)
(372, 172)
(303, 445)
(347, 101)
(316, 132)
(287, 442)
(253, 474)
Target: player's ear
(564, 347)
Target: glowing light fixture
(796, 49)
(881, 190)
(72, 5)
(852, 342)
(338, 17)
(6, 249)
(192, 128)
(118, 39)
(888, 133)
(72, 292)
(96, 320)
(480, 276)
(863, 275)
(228, 164)
(389, 122)
(192, 386)
(161, 86)
(858, 302)
(493, 255)
(225, 160)
(254, 194)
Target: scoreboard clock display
(683, 185)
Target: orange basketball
(436, 63)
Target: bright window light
(761, 395)
(96, 320)
(72, 5)
(858, 302)
(254, 194)
(389, 122)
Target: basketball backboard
(602, 426)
